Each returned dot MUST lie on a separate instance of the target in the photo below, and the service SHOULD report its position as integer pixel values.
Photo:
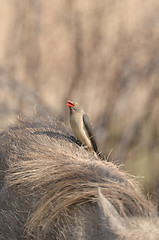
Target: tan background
(104, 54)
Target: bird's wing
(90, 130)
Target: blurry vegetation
(104, 54)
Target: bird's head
(74, 106)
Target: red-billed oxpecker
(81, 126)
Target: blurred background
(104, 54)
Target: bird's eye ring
(76, 104)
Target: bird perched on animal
(81, 126)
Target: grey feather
(90, 130)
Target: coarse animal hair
(131, 228)
(49, 185)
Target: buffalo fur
(49, 186)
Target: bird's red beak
(70, 104)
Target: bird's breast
(79, 130)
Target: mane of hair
(42, 160)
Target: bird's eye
(76, 104)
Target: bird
(82, 127)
